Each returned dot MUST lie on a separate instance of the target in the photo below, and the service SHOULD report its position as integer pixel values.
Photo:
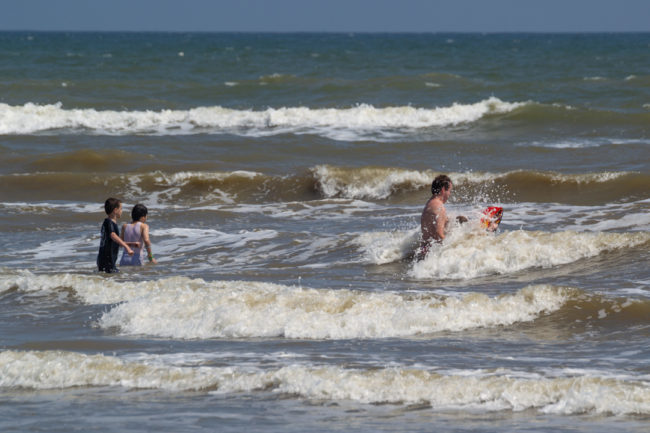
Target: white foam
(173, 184)
(463, 390)
(331, 209)
(181, 240)
(332, 122)
(366, 182)
(612, 216)
(578, 143)
(275, 76)
(570, 144)
(468, 255)
(183, 177)
(387, 247)
(630, 221)
(252, 309)
(59, 248)
(382, 182)
(168, 243)
(186, 308)
(51, 370)
(45, 207)
(92, 289)
(601, 177)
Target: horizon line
(341, 32)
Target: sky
(327, 15)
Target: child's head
(139, 211)
(111, 204)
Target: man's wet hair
(111, 204)
(439, 183)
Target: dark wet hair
(439, 183)
(139, 211)
(111, 204)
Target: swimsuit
(108, 249)
(133, 233)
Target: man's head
(441, 186)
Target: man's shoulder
(435, 204)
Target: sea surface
(285, 175)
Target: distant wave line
(33, 118)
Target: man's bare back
(433, 221)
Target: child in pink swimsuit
(136, 235)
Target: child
(136, 234)
(110, 240)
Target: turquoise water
(285, 175)
(181, 71)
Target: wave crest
(470, 255)
(320, 181)
(192, 308)
(466, 390)
(331, 122)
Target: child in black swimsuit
(110, 242)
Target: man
(434, 216)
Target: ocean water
(285, 175)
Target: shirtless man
(434, 216)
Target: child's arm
(120, 242)
(147, 243)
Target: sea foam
(475, 390)
(250, 309)
(187, 308)
(383, 182)
(332, 122)
(387, 247)
(466, 255)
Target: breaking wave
(350, 123)
(324, 181)
(481, 390)
(184, 308)
(469, 255)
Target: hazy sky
(328, 15)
